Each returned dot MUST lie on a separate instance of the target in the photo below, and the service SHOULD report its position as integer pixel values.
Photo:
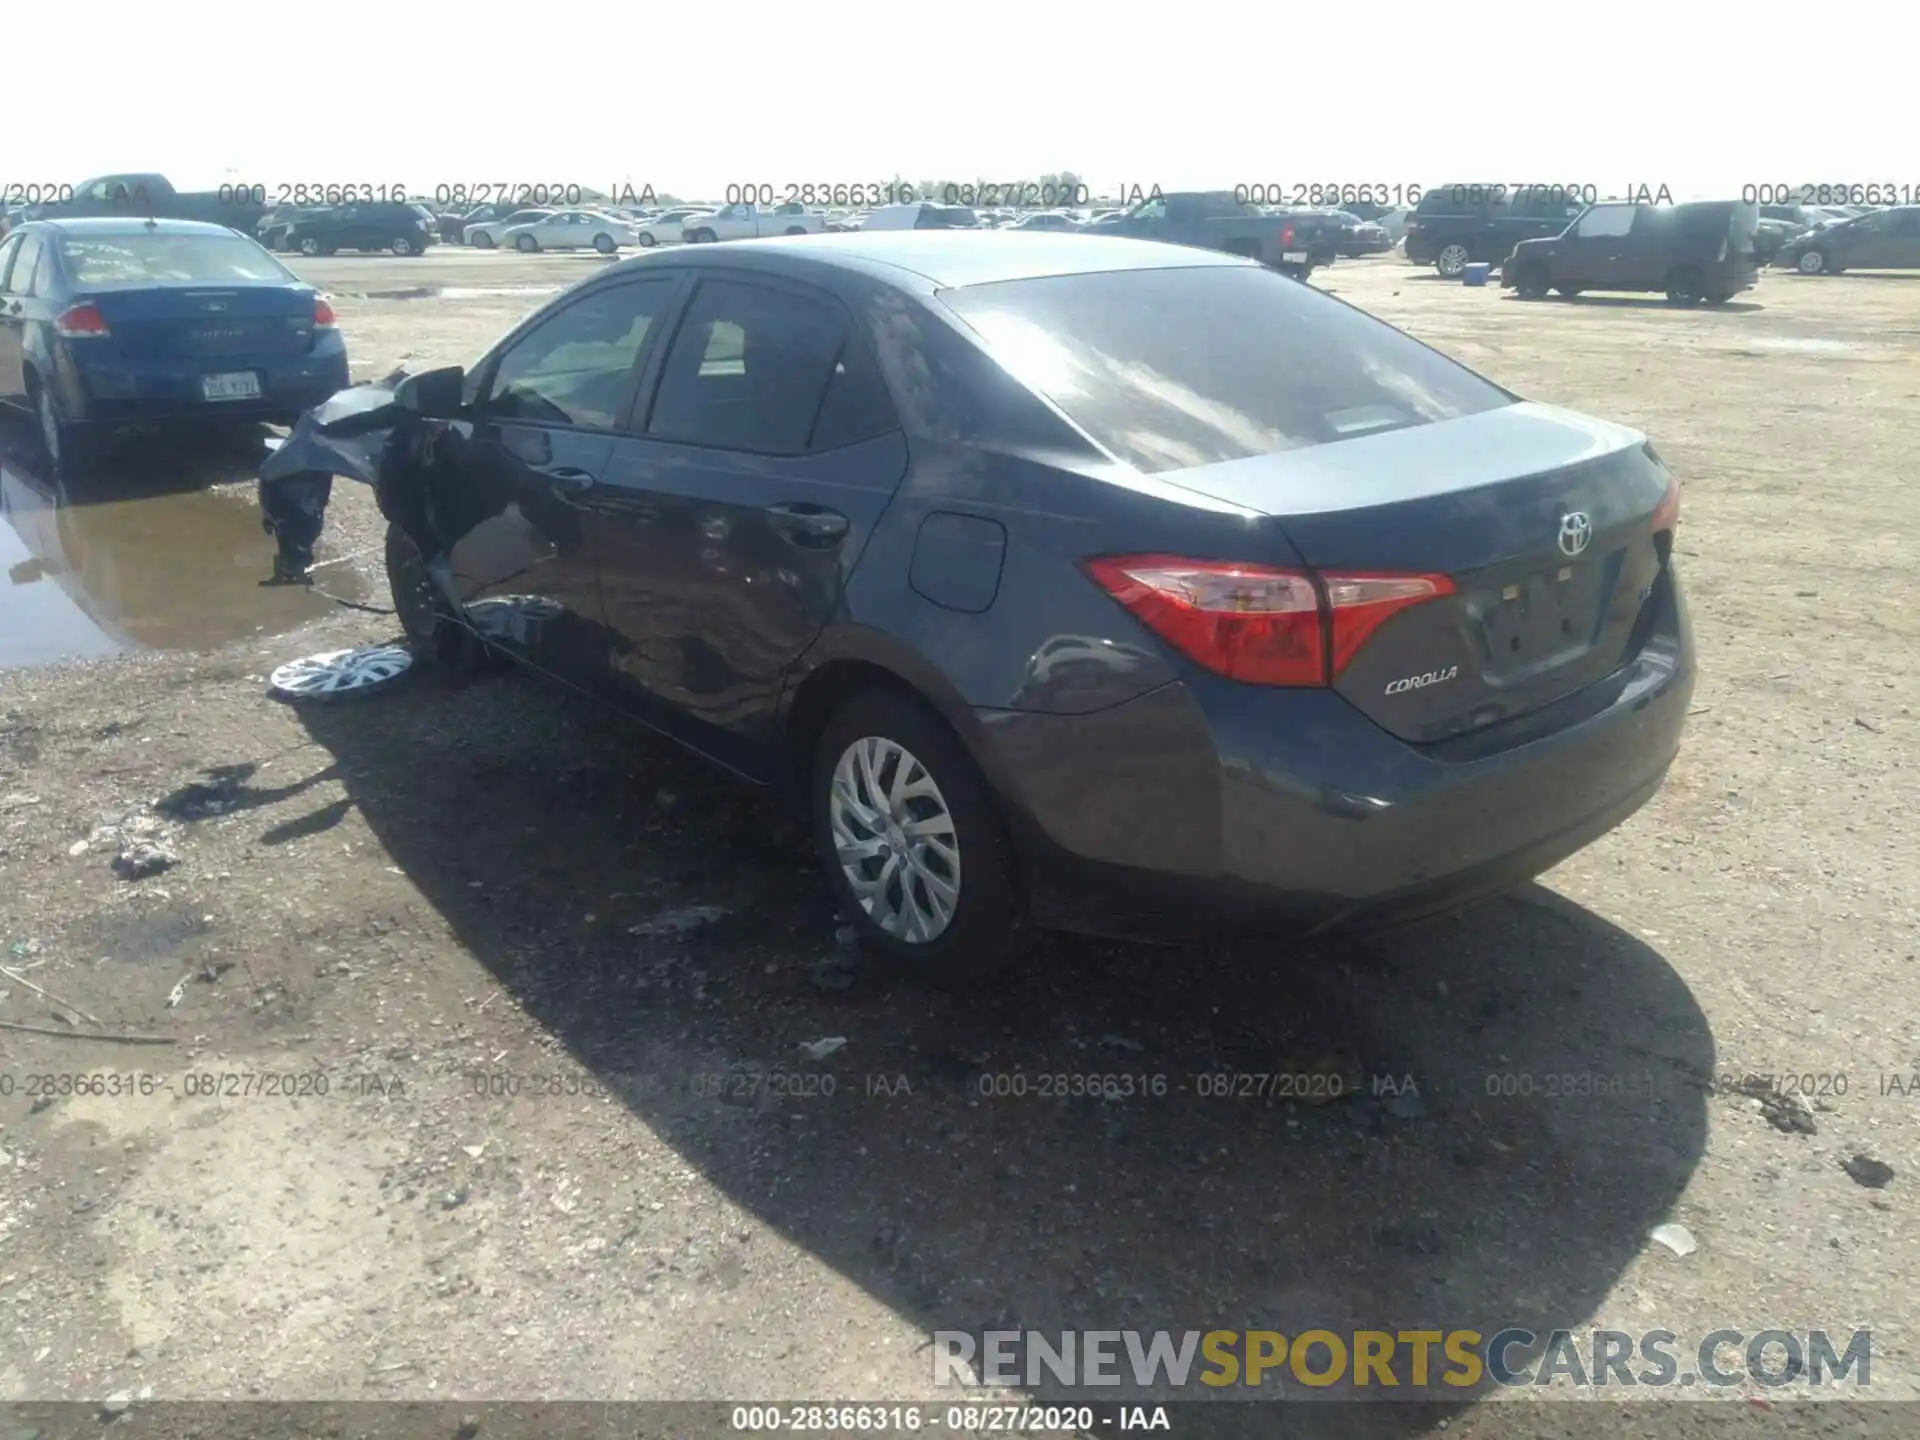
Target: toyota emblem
(1576, 532)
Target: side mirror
(434, 394)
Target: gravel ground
(558, 981)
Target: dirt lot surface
(556, 979)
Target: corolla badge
(1420, 682)
(1576, 532)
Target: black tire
(1533, 281)
(989, 927)
(703, 237)
(526, 244)
(309, 245)
(796, 230)
(483, 241)
(605, 243)
(1566, 292)
(403, 245)
(65, 445)
(1453, 260)
(432, 633)
(647, 240)
(1686, 285)
(1816, 262)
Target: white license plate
(1294, 257)
(240, 385)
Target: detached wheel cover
(336, 674)
(894, 837)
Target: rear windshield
(160, 259)
(1179, 367)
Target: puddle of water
(1800, 346)
(138, 554)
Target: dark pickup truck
(1214, 220)
(146, 194)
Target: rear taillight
(1258, 624)
(323, 316)
(1666, 515)
(81, 322)
(1286, 237)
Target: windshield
(1171, 368)
(97, 261)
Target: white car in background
(666, 227)
(570, 230)
(486, 234)
(747, 221)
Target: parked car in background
(145, 193)
(388, 225)
(110, 321)
(1879, 240)
(668, 227)
(746, 221)
(570, 230)
(277, 224)
(1454, 226)
(1123, 584)
(921, 215)
(485, 234)
(1046, 220)
(1360, 237)
(453, 224)
(1694, 252)
(1215, 220)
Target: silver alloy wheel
(1812, 263)
(1452, 260)
(895, 839)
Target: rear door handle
(570, 477)
(808, 524)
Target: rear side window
(160, 259)
(19, 279)
(748, 369)
(856, 406)
(1181, 367)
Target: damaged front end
(383, 434)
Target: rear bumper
(113, 390)
(1206, 802)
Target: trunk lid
(1541, 518)
(209, 321)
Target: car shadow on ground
(1638, 302)
(1520, 1091)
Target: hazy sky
(690, 95)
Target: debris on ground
(820, 1049)
(1867, 1171)
(835, 973)
(1676, 1238)
(1786, 1112)
(680, 921)
(146, 848)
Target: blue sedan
(111, 322)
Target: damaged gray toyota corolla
(1066, 580)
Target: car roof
(126, 225)
(945, 259)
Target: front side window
(1604, 221)
(748, 369)
(574, 367)
(1172, 368)
(20, 280)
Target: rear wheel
(526, 244)
(1533, 282)
(1815, 262)
(703, 237)
(309, 245)
(605, 243)
(482, 241)
(1566, 292)
(912, 843)
(796, 230)
(403, 245)
(1452, 261)
(62, 441)
(647, 242)
(1686, 286)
